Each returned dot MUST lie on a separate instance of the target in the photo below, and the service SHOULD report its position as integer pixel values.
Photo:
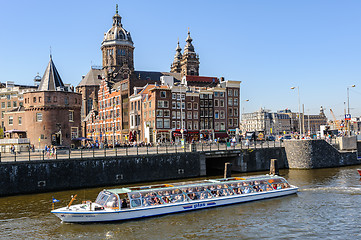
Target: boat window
(135, 203)
(103, 197)
(279, 183)
(112, 202)
(134, 195)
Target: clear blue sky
(268, 45)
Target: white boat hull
(141, 212)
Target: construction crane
(333, 115)
(336, 123)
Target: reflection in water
(326, 206)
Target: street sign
(347, 116)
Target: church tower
(117, 48)
(190, 60)
(176, 65)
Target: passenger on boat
(124, 203)
(247, 190)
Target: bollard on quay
(274, 167)
(227, 170)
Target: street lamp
(299, 108)
(181, 111)
(348, 107)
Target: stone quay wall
(55, 175)
(308, 154)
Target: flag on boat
(55, 200)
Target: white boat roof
(190, 183)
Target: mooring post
(227, 170)
(274, 167)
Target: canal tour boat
(146, 201)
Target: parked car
(285, 137)
(271, 138)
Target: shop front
(221, 136)
(177, 135)
(163, 136)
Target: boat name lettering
(199, 205)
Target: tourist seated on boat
(157, 201)
(124, 203)
(247, 190)
(268, 187)
(166, 199)
(237, 190)
(192, 196)
(218, 193)
(178, 198)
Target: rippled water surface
(326, 207)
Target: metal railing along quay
(86, 153)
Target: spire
(51, 79)
(178, 54)
(117, 20)
(189, 46)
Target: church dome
(117, 34)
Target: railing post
(218, 145)
(15, 156)
(274, 143)
(29, 152)
(210, 147)
(157, 148)
(0, 156)
(69, 153)
(175, 146)
(43, 154)
(116, 152)
(147, 149)
(105, 151)
(137, 150)
(81, 153)
(166, 148)
(93, 152)
(202, 146)
(185, 148)
(126, 150)
(268, 143)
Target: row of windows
(233, 93)
(48, 100)
(8, 104)
(11, 120)
(232, 101)
(135, 106)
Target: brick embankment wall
(308, 154)
(54, 175)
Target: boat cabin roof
(191, 183)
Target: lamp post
(299, 108)
(348, 107)
(181, 105)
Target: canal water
(326, 207)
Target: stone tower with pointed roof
(51, 80)
(52, 113)
(176, 65)
(188, 63)
(117, 49)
